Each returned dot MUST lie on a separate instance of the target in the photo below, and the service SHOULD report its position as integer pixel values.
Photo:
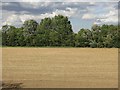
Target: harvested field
(61, 67)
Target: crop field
(61, 67)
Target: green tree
(29, 32)
(44, 30)
(97, 37)
(20, 39)
(30, 26)
(83, 38)
(8, 35)
(0, 37)
(57, 31)
(62, 25)
(5, 28)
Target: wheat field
(61, 67)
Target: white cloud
(88, 16)
(6, 4)
(87, 11)
(13, 20)
(92, 3)
(17, 20)
(60, 1)
(26, 17)
(108, 18)
(68, 12)
(111, 13)
(34, 4)
(98, 23)
(35, 17)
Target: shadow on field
(11, 86)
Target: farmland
(61, 67)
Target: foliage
(57, 31)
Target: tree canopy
(57, 31)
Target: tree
(58, 27)
(20, 39)
(12, 35)
(30, 27)
(97, 36)
(8, 35)
(57, 31)
(0, 37)
(44, 30)
(95, 27)
(62, 25)
(116, 37)
(83, 38)
(29, 31)
(54, 38)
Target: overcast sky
(81, 14)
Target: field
(61, 67)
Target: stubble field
(61, 67)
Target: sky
(81, 14)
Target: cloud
(109, 18)
(15, 13)
(25, 17)
(44, 7)
(34, 5)
(37, 11)
(13, 20)
(88, 16)
(17, 20)
(109, 15)
(68, 12)
(60, 0)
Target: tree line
(57, 31)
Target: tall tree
(62, 25)
(83, 38)
(29, 28)
(44, 30)
(0, 37)
(8, 35)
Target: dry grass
(61, 67)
